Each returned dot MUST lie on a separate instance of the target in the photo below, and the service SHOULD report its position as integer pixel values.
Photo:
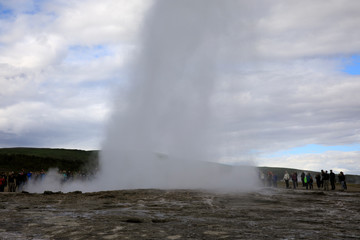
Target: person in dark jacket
(275, 179)
(332, 180)
(307, 181)
(21, 180)
(326, 178)
(302, 178)
(310, 181)
(294, 179)
(318, 180)
(342, 181)
(11, 180)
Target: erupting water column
(167, 124)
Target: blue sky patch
(35, 7)
(78, 53)
(5, 12)
(29, 7)
(353, 65)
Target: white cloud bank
(282, 86)
(57, 64)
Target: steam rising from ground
(167, 131)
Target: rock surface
(181, 214)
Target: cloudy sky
(289, 95)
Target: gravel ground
(181, 214)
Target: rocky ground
(181, 214)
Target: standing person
(322, 178)
(29, 175)
(317, 178)
(294, 179)
(302, 178)
(286, 178)
(310, 181)
(342, 181)
(21, 180)
(332, 180)
(2, 182)
(306, 181)
(275, 180)
(326, 178)
(12, 186)
(262, 178)
(269, 178)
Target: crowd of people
(15, 181)
(323, 180)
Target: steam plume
(167, 127)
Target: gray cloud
(290, 108)
(310, 29)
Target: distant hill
(36, 159)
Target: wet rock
(157, 220)
(134, 220)
(51, 192)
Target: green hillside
(35, 159)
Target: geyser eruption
(166, 131)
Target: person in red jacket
(3, 182)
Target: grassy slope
(77, 155)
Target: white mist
(166, 131)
